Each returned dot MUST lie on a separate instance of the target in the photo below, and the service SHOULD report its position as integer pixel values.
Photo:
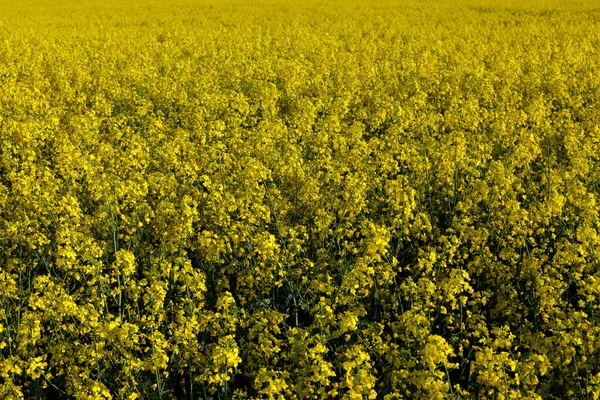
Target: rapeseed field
(343, 199)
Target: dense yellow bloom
(344, 199)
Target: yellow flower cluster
(299, 200)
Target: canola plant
(350, 199)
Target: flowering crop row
(351, 199)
